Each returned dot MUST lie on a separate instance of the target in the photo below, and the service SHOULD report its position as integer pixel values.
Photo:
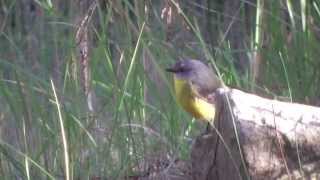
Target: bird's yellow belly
(196, 106)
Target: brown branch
(277, 139)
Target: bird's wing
(198, 90)
(205, 90)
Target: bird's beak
(172, 69)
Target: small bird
(194, 83)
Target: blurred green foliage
(135, 116)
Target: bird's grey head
(189, 68)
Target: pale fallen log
(277, 140)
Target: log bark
(258, 138)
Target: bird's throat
(196, 106)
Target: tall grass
(136, 118)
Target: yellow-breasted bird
(194, 83)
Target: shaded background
(105, 60)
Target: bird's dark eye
(183, 67)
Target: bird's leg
(209, 128)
